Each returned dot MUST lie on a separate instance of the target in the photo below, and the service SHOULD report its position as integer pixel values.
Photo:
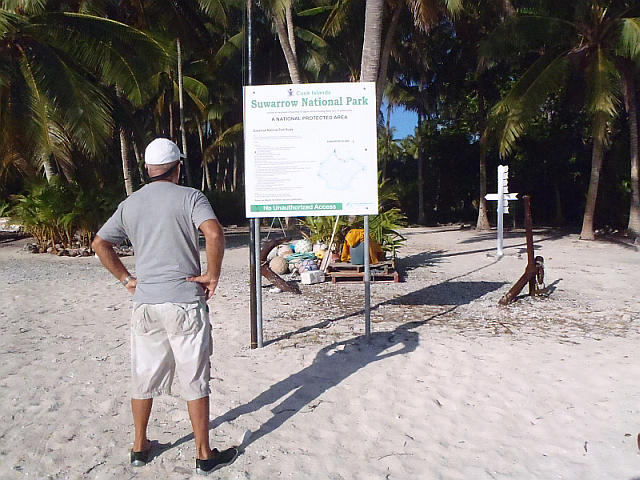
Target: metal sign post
(367, 282)
(503, 196)
(255, 280)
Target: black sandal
(139, 459)
(219, 460)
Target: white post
(502, 197)
(500, 212)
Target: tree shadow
(446, 293)
(545, 233)
(420, 260)
(336, 362)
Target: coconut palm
(590, 49)
(53, 70)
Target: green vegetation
(61, 213)
(383, 227)
(548, 89)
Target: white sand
(452, 386)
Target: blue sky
(403, 121)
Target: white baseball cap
(162, 151)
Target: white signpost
(503, 196)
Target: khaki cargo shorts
(167, 338)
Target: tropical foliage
(548, 88)
(58, 213)
(593, 45)
(383, 227)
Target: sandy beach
(451, 386)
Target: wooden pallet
(344, 276)
(385, 266)
(347, 272)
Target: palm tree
(589, 43)
(54, 69)
(304, 48)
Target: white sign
(310, 149)
(506, 196)
(502, 197)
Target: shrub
(383, 227)
(59, 213)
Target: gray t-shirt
(161, 220)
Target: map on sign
(348, 169)
(310, 150)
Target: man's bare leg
(141, 409)
(199, 415)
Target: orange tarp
(355, 237)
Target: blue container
(357, 254)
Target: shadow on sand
(338, 361)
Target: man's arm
(214, 248)
(109, 258)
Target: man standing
(170, 329)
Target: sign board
(310, 149)
(502, 197)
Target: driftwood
(534, 273)
(269, 274)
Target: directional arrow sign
(502, 197)
(505, 196)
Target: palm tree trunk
(559, 218)
(386, 52)
(587, 232)
(482, 224)
(172, 129)
(139, 161)
(127, 167)
(290, 31)
(388, 140)
(289, 53)
(420, 158)
(370, 62)
(483, 217)
(632, 111)
(234, 187)
(206, 184)
(187, 168)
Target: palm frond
(232, 46)
(526, 32)
(603, 84)
(453, 6)
(215, 9)
(104, 46)
(28, 7)
(197, 91)
(230, 136)
(275, 8)
(337, 19)
(509, 117)
(315, 40)
(310, 12)
(629, 41)
(10, 23)
(397, 95)
(425, 13)
(63, 99)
